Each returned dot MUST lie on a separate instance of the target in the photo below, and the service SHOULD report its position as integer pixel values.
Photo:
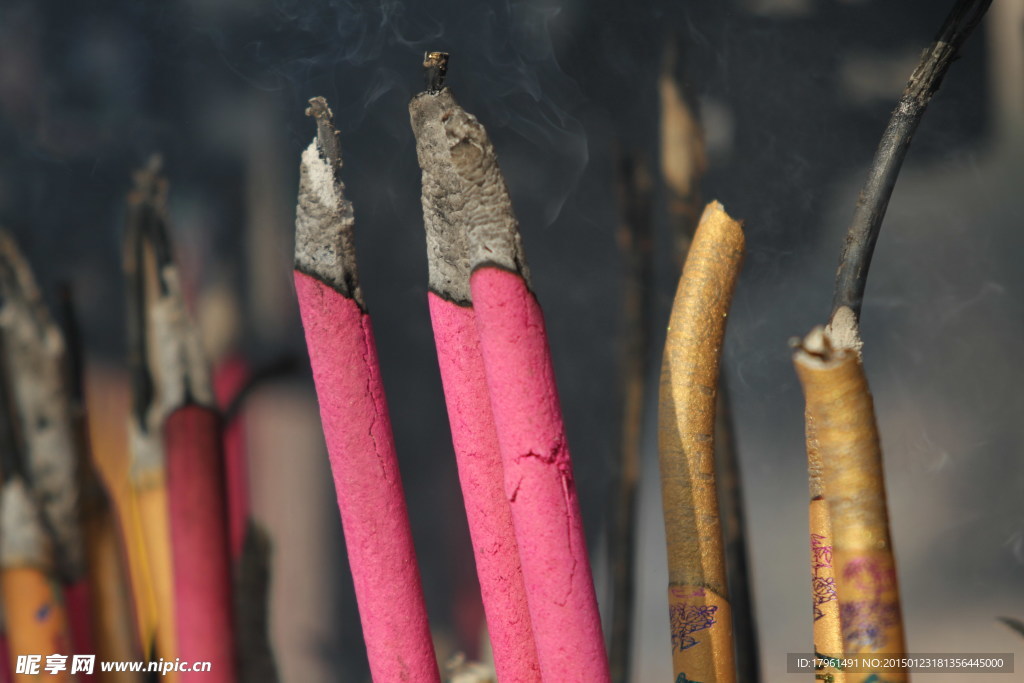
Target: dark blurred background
(793, 96)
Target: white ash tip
(324, 224)
(843, 330)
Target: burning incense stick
(538, 470)
(465, 385)
(859, 246)
(842, 427)
(355, 418)
(183, 429)
(701, 617)
(828, 636)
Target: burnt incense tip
(327, 135)
(492, 237)
(324, 218)
(443, 198)
(820, 349)
(435, 68)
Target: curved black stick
(874, 198)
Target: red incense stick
(355, 419)
(228, 381)
(539, 481)
(465, 386)
(199, 536)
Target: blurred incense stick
(699, 608)
(149, 538)
(683, 159)
(36, 361)
(112, 615)
(188, 428)
(34, 615)
(635, 188)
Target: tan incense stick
(842, 427)
(701, 616)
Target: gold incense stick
(828, 636)
(701, 617)
(843, 429)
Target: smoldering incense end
(493, 234)
(324, 220)
(444, 201)
(435, 68)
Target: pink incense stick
(538, 474)
(465, 387)
(355, 420)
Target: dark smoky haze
(793, 96)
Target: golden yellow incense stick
(828, 637)
(843, 426)
(143, 256)
(701, 618)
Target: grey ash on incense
(324, 219)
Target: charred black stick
(866, 223)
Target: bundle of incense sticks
(353, 410)
(472, 231)
(178, 443)
(699, 609)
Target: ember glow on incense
(699, 609)
(184, 427)
(445, 216)
(538, 476)
(354, 413)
